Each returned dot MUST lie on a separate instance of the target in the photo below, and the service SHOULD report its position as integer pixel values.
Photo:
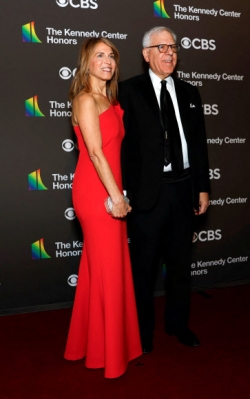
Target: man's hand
(203, 204)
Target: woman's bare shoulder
(84, 105)
(84, 99)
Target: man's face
(162, 64)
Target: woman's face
(102, 63)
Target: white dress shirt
(156, 81)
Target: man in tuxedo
(165, 173)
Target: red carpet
(32, 364)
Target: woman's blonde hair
(81, 80)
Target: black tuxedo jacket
(143, 145)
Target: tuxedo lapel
(147, 90)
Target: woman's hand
(120, 208)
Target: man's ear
(145, 53)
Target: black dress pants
(165, 231)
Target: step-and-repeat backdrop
(41, 240)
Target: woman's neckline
(103, 112)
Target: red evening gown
(104, 327)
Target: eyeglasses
(163, 48)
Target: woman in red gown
(104, 327)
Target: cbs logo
(76, 4)
(209, 235)
(210, 109)
(72, 280)
(198, 44)
(65, 73)
(70, 214)
(214, 174)
(68, 145)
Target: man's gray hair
(157, 29)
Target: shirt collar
(157, 81)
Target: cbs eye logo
(65, 73)
(198, 44)
(195, 237)
(186, 42)
(68, 145)
(72, 280)
(81, 3)
(209, 235)
(70, 214)
(62, 3)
